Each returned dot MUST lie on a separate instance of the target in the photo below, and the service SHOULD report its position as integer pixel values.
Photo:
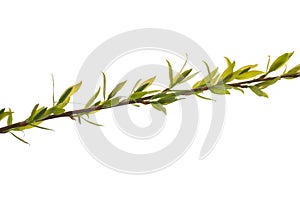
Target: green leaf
(167, 99)
(10, 117)
(280, 61)
(182, 76)
(294, 70)
(189, 77)
(40, 127)
(159, 107)
(40, 113)
(3, 114)
(238, 89)
(19, 138)
(170, 74)
(93, 123)
(249, 74)
(92, 99)
(33, 112)
(145, 84)
(202, 97)
(98, 103)
(116, 89)
(138, 95)
(229, 70)
(111, 103)
(266, 84)
(268, 64)
(135, 85)
(58, 111)
(104, 86)
(65, 97)
(219, 89)
(258, 91)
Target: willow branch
(143, 100)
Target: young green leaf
(145, 84)
(249, 74)
(40, 113)
(10, 117)
(57, 110)
(238, 89)
(159, 107)
(294, 70)
(280, 61)
(228, 71)
(135, 85)
(219, 89)
(65, 97)
(41, 127)
(258, 91)
(202, 97)
(20, 139)
(266, 84)
(93, 123)
(33, 112)
(92, 99)
(111, 103)
(182, 76)
(116, 89)
(104, 86)
(170, 74)
(138, 95)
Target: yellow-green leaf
(111, 103)
(144, 85)
(228, 71)
(92, 99)
(258, 91)
(170, 74)
(280, 61)
(10, 117)
(219, 89)
(116, 89)
(249, 74)
(294, 70)
(65, 97)
(159, 107)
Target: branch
(214, 82)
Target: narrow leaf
(145, 84)
(249, 74)
(228, 70)
(294, 70)
(92, 99)
(41, 127)
(10, 117)
(170, 74)
(104, 86)
(135, 85)
(19, 138)
(219, 89)
(266, 84)
(40, 114)
(280, 61)
(93, 123)
(111, 103)
(116, 89)
(159, 107)
(258, 91)
(202, 97)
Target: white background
(258, 154)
